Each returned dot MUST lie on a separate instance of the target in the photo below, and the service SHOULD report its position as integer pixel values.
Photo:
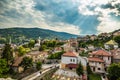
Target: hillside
(27, 33)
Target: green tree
(79, 69)
(42, 47)
(56, 55)
(38, 65)
(89, 71)
(26, 63)
(117, 39)
(21, 51)
(8, 53)
(3, 67)
(114, 71)
(31, 43)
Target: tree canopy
(26, 62)
(114, 71)
(31, 43)
(8, 53)
(89, 71)
(38, 65)
(56, 55)
(117, 39)
(3, 67)
(79, 69)
(22, 50)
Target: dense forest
(23, 34)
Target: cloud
(72, 16)
(108, 25)
(24, 14)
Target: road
(37, 74)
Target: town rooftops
(70, 54)
(95, 59)
(17, 61)
(111, 42)
(101, 53)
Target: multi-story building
(71, 60)
(99, 60)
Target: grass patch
(94, 77)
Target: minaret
(39, 40)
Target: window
(108, 58)
(71, 60)
(98, 68)
(99, 62)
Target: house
(35, 55)
(71, 59)
(90, 47)
(116, 33)
(16, 65)
(57, 49)
(93, 37)
(101, 60)
(116, 55)
(82, 50)
(111, 45)
(73, 42)
(67, 47)
(96, 64)
(102, 35)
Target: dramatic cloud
(72, 16)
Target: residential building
(111, 45)
(93, 37)
(101, 60)
(57, 49)
(35, 55)
(71, 59)
(116, 33)
(96, 64)
(116, 55)
(90, 47)
(16, 65)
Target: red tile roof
(71, 65)
(95, 59)
(101, 52)
(70, 54)
(17, 61)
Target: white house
(111, 45)
(71, 59)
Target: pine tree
(8, 54)
(79, 69)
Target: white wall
(97, 65)
(108, 62)
(67, 60)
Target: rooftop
(101, 52)
(70, 54)
(95, 59)
(111, 42)
(17, 61)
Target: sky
(81, 17)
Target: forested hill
(33, 33)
